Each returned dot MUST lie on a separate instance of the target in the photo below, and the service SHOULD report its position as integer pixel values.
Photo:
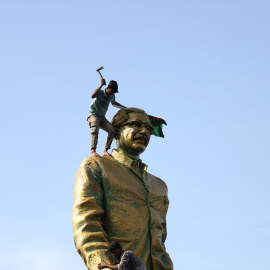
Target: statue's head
(133, 129)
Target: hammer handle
(100, 74)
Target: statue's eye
(149, 128)
(137, 124)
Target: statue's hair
(122, 116)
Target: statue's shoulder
(157, 181)
(90, 163)
(95, 163)
(90, 168)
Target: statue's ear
(116, 136)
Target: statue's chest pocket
(129, 195)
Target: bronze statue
(116, 199)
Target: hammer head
(100, 68)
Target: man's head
(116, 249)
(112, 88)
(133, 128)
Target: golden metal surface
(116, 199)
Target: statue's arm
(89, 236)
(166, 256)
(166, 206)
(164, 224)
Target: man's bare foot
(105, 153)
(94, 153)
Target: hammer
(98, 70)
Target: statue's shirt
(116, 199)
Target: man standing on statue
(96, 119)
(116, 199)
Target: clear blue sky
(203, 66)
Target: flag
(157, 124)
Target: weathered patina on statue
(116, 199)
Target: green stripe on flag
(157, 124)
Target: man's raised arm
(94, 94)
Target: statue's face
(134, 136)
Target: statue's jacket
(116, 199)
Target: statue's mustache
(141, 136)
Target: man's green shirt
(101, 103)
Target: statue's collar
(135, 165)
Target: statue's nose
(144, 130)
